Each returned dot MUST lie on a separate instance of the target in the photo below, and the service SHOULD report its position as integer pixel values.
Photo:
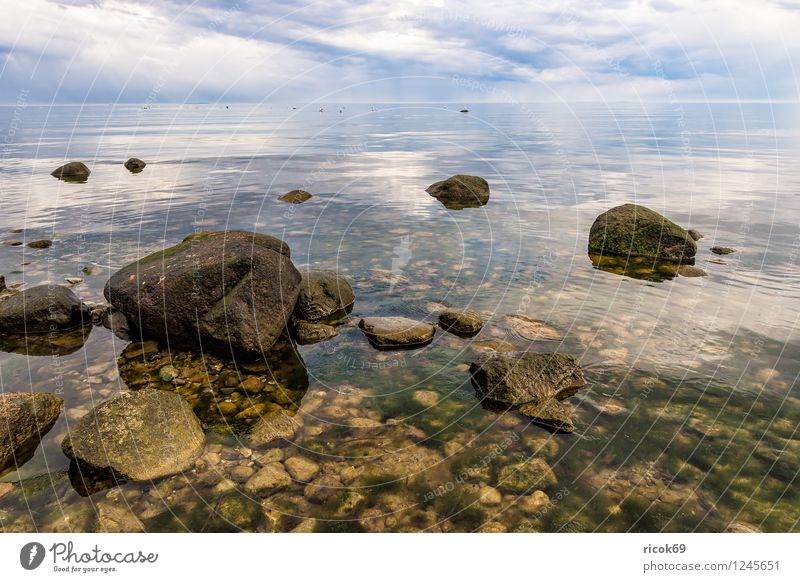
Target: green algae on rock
(635, 230)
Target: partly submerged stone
(44, 308)
(634, 230)
(460, 321)
(222, 291)
(461, 191)
(533, 383)
(277, 425)
(396, 332)
(722, 250)
(307, 332)
(44, 243)
(138, 435)
(268, 479)
(531, 329)
(135, 165)
(323, 294)
(295, 197)
(72, 172)
(25, 417)
(694, 234)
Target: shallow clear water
(705, 368)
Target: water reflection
(56, 343)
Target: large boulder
(40, 309)
(72, 172)
(141, 435)
(533, 383)
(634, 230)
(25, 417)
(223, 291)
(323, 294)
(461, 191)
(396, 332)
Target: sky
(339, 51)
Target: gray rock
(72, 172)
(44, 308)
(268, 479)
(306, 332)
(135, 165)
(634, 230)
(460, 191)
(222, 291)
(301, 469)
(25, 417)
(460, 321)
(323, 294)
(141, 435)
(396, 332)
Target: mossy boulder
(461, 191)
(139, 435)
(72, 172)
(25, 417)
(227, 292)
(634, 230)
(40, 309)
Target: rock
(117, 518)
(533, 503)
(72, 172)
(526, 475)
(634, 230)
(12, 243)
(323, 294)
(139, 435)
(741, 527)
(114, 321)
(41, 244)
(525, 377)
(460, 191)
(534, 383)
(694, 234)
(242, 473)
(722, 250)
(301, 469)
(135, 165)
(221, 291)
(295, 197)
(306, 332)
(426, 398)
(25, 417)
(531, 329)
(490, 496)
(275, 425)
(268, 479)
(323, 488)
(396, 332)
(44, 308)
(73, 280)
(460, 321)
(690, 271)
(463, 110)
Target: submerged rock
(222, 291)
(25, 417)
(72, 172)
(722, 250)
(277, 425)
(461, 191)
(295, 197)
(528, 475)
(306, 332)
(634, 230)
(460, 321)
(139, 435)
(396, 332)
(534, 383)
(43, 308)
(135, 165)
(323, 294)
(531, 329)
(690, 271)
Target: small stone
(322, 488)
(168, 373)
(227, 408)
(520, 477)
(12, 243)
(388, 332)
(301, 469)
(241, 473)
(690, 271)
(135, 165)
(295, 197)
(268, 456)
(490, 496)
(722, 250)
(426, 398)
(268, 479)
(533, 503)
(41, 244)
(305, 526)
(460, 322)
(73, 280)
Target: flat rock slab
(141, 435)
(531, 329)
(396, 332)
(295, 197)
(25, 417)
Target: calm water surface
(701, 373)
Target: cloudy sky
(398, 50)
